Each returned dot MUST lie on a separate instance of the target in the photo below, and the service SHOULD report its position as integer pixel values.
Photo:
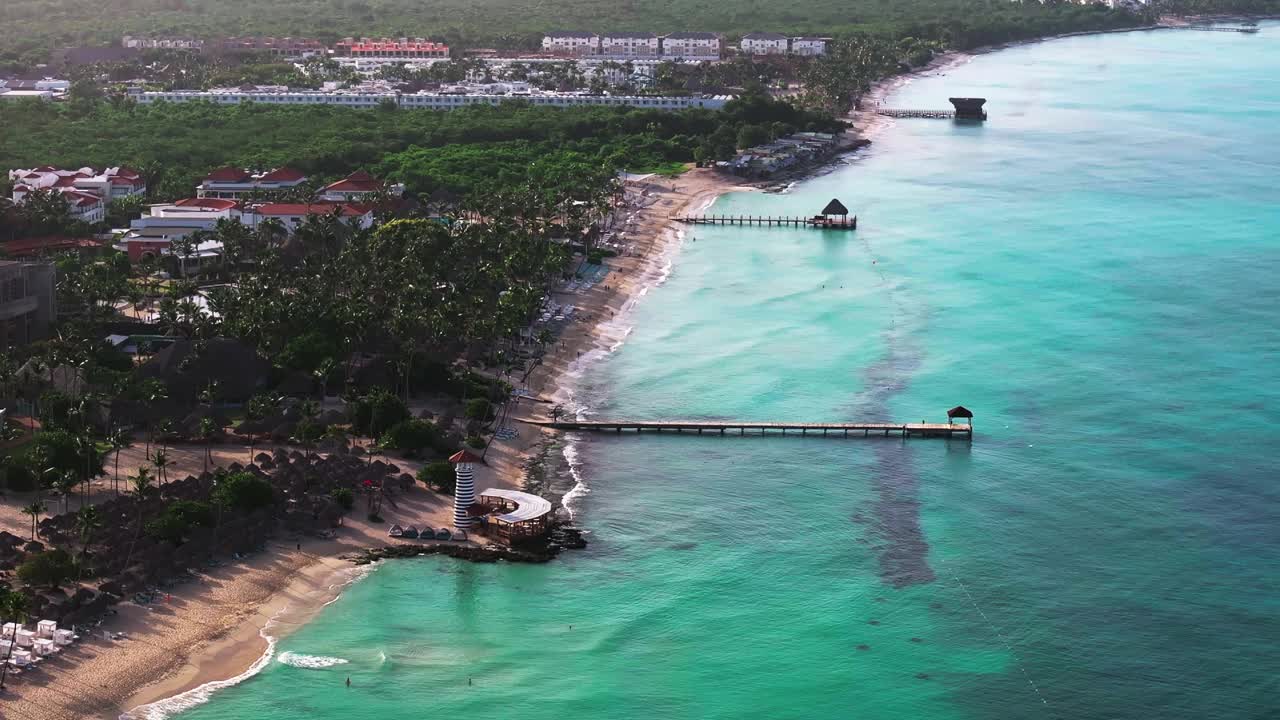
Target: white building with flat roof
(764, 43)
(691, 46)
(230, 182)
(630, 44)
(426, 100)
(809, 46)
(573, 43)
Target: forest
(34, 27)
(465, 150)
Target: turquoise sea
(1095, 272)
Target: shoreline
(226, 625)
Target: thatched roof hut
(835, 207)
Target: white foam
(162, 709)
(310, 662)
(182, 702)
(579, 488)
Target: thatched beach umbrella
(835, 207)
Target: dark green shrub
(18, 476)
(344, 497)
(438, 476)
(50, 568)
(477, 409)
(410, 435)
(475, 441)
(243, 490)
(375, 413)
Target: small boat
(396, 531)
(410, 532)
(444, 534)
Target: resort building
(358, 187)
(108, 185)
(28, 302)
(766, 160)
(167, 43)
(291, 215)
(571, 43)
(630, 44)
(691, 46)
(86, 190)
(809, 46)
(235, 183)
(425, 100)
(281, 47)
(7, 94)
(150, 236)
(392, 49)
(764, 43)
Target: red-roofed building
(37, 247)
(108, 185)
(391, 49)
(291, 215)
(357, 186)
(234, 183)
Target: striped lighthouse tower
(464, 495)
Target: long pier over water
(723, 427)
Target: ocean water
(1095, 272)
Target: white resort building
(86, 190)
(764, 43)
(691, 46)
(809, 46)
(424, 100)
(572, 43)
(630, 45)
(234, 183)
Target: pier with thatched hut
(835, 216)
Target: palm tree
(119, 439)
(88, 522)
(65, 483)
(206, 432)
(161, 462)
(142, 487)
(34, 509)
(13, 608)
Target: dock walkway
(907, 113)
(818, 222)
(722, 427)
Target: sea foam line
(182, 702)
(619, 330)
(309, 662)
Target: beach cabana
(835, 207)
(516, 516)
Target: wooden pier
(819, 222)
(964, 109)
(1211, 28)
(931, 114)
(723, 427)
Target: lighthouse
(464, 494)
